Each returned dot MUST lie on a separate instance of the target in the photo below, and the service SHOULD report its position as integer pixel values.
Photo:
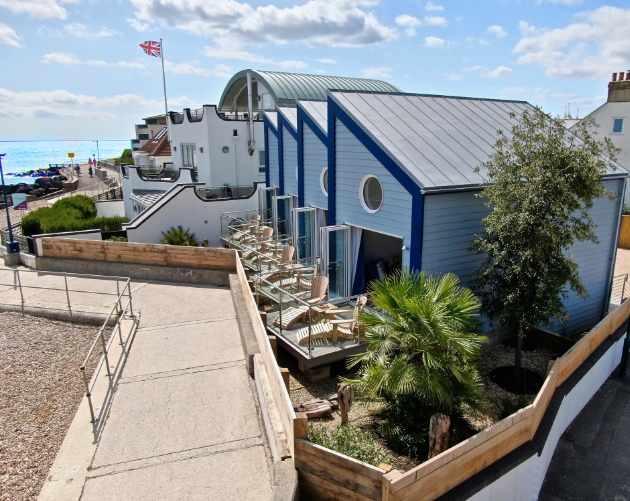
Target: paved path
(183, 424)
(592, 460)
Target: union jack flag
(152, 48)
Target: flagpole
(168, 132)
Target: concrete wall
(183, 207)
(110, 208)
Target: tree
(542, 181)
(179, 236)
(422, 353)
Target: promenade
(183, 423)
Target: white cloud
(435, 21)
(497, 31)
(411, 32)
(44, 9)
(589, 48)
(500, 72)
(430, 6)
(70, 59)
(379, 72)
(324, 60)
(315, 22)
(434, 42)
(8, 35)
(185, 68)
(407, 20)
(137, 25)
(479, 41)
(537, 93)
(222, 70)
(81, 31)
(565, 2)
(225, 50)
(455, 77)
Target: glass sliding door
(305, 232)
(335, 243)
(282, 215)
(265, 199)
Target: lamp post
(12, 247)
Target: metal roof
(272, 116)
(290, 114)
(318, 111)
(286, 88)
(437, 140)
(146, 199)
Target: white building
(613, 118)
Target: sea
(23, 156)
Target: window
(371, 194)
(189, 156)
(323, 180)
(152, 121)
(261, 160)
(143, 137)
(617, 125)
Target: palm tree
(423, 348)
(179, 236)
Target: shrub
(85, 205)
(116, 239)
(351, 441)
(179, 236)
(31, 224)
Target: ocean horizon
(22, 156)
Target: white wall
(216, 168)
(183, 207)
(110, 208)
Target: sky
(73, 69)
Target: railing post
(17, 273)
(88, 394)
(109, 373)
(310, 331)
(130, 303)
(118, 291)
(65, 278)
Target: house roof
(437, 140)
(290, 114)
(318, 111)
(272, 116)
(158, 145)
(286, 88)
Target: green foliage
(179, 236)
(116, 239)
(349, 440)
(542, 181)
(422, 354)
(69, 214)
(625, 210)
(85, 205)
(126, 153)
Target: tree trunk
(345, 395)
(438, 434)
(517, 355)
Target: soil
(505, 376)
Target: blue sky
(72, 69)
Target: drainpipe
(251, 144)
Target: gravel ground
(361, 412)
(40, 391)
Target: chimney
(614, 77)
(621, 76)
(628, 75)
(619, 88)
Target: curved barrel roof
(286, 88)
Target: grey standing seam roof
(290, 113)
(437, 140)
(318, 111)
(273, 118)
(286, 88)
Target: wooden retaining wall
(150, 254)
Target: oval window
(323, 180)
(371, 194)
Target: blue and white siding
(315, 158)
(289, 161)
(353, 162)
(273, 165)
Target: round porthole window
(323, 180)
(371, 194)
(225, 149)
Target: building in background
(145, 131)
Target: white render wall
(216, 168)
(183, 207)
(524, 482)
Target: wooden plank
(333, 489)
(367, 481)
(386, 484)
(337, 459)
(335, 479)
(300, 425)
